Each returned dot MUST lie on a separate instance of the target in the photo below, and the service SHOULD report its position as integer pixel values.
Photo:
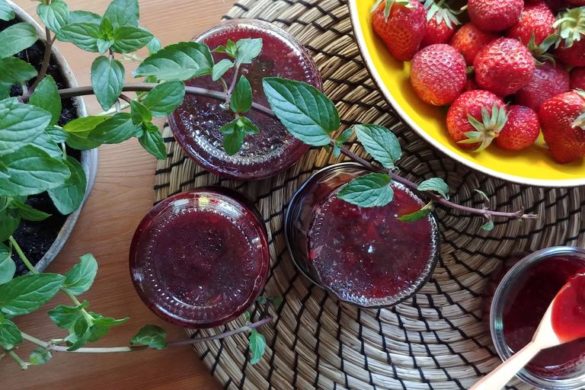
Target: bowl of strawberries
(498, 85)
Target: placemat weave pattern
(436, 340)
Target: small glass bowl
(199, 259)
(310, 225)
(506, 290)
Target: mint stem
(23, 365)
(22, 256)
(46, 59)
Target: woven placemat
(436, 340)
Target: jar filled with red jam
(520, 302)
(201, 258)
(196, 124)
(364, 256)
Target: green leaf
(40, 356)
(380, 143)
(83, 35)
(122, 13)
(45, 142)
(153, 46)
(165, 98)
(56, 133)
(54, 15)
(151, 336)
(20, 124)
(79, 334)
(69, 196)
(128, 39)
(257, 346)
(80, 278)
(65, 317)
(233, 137)
(118, 128)
(101, 326)
(435, 184)
(46, 96)
(6, 11)
(220, 69)
(30, 171)
(152, 141)
(14, 71)
(488, 226)
(417, 215)
(25, 294)
(10, 222)
(248, 127)
(107, 79)
(17, 38)
(10, 335)
(85, 124)
(7, 265)
(27, 212)
(247, 50)
(140, 113)
(305, 111)
(241, 100)
(181, 61)
(372, 190)
(84, 17)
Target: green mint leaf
(27, 212)
(247, 50)
(80, 278)
(344, 136)
(220, 69)
(418, 214)
(20, 124)
(83, 35)
(372, 190)
(128, 39)
(181, 61)
(79, 334)
(10, 222)
(488, 226)
(165, 98)
(25, 294)
(14, 71)
(103, 45)
(101, 326)
(56, 133)
(140, 113)
(118, 128)
(380, 143)
(6, 11)
(84, 17)
(65, 317)
(257, 346)
(30, 171)
(233, 137)
(7, 265)
(151, 336)
(122, 13)
(46, 96)
(152, 141)
(435, 184)
(10, 335)
(17, 38)
(153, 46)
(304, 110)
(54, 15)
(69, 196)
(85, 124)
(46, 143)
(40, 356)
(241, 100)
(247, 126)
(107, 80)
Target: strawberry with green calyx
(401, 24)
(469, 40)
(536, 24)
(548, 80)
(571, 33)
(578, 78)
(475, 119)
(494, 15)
(521, 129)
(441, 23)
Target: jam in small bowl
(201, 258)
(364, 256)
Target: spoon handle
(498, 378)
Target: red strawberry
(470, 85)
(441, 24)
(576, 3)
(469, 40)
(547, 81)
(571, 25)
(494, 15)
(536, 20)
(521, 129)
(401, 25)
(578, 78)
(572, 55)
(438, 74)
(556, 5)
(475, 118)
(563, 125)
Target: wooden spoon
(563, 322)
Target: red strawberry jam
(568, 315)
(196, 124)
(200, 259)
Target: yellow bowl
(533, 166)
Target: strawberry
(494, 15)
(573, 55)
(578, 78)
(475, 118)
(571, 26)
(548, 80)
(401, 24)
(469, 40)
(438, 74)
(576, 3)
(441, 24)
(521, 129)
(563, 125)
(536, 21)
(504, 66)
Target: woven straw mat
(435, 340)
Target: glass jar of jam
(363, 256)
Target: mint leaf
(118, 128)
(128, 39)
(151, 336)
(40, 356)
(435, 184)
(257, 346)
(488, 226)
(107, 80)
(241, 100)
(140, 113)
(84, 17)
(101, 326)
(80, 278)
(27, 212)
(10, 222)
(85, 124)
(304, 110)
(380, 143)
(418, 214)
(10, 335)
(122, 13)
(46, 143)
(69, 196)
(153, 46)
(181, 61)
(56, 133)
(6, 11)
(17, 38)
(233, 137)
(30, 171)
(163, 99)
(54, 15)
(7, 265)
(46, 96)
(152, 141)
(220, 69)
(14, 71)
(65, 317)
(83, 35)
(247, 125)
(20, 124)
(371, 190)
(25, 294)
(247, 50)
